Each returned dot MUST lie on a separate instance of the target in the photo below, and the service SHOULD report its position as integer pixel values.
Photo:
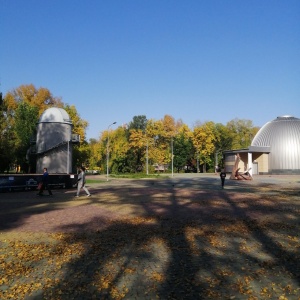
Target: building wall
(282, 135)
(50, 135)
(229, 162)
(262, 159)
(243, 164)
(54, 147)
(56, 160)
(263, 162)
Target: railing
(53, 147)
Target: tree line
(144, 145)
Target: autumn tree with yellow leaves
(143, 143)
(138, 140)
(22, 107)
(20, 111)
(204, 138)
(40, 98)
(81, 151)
(150, 144)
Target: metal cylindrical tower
(53, 142)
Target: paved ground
(177, 238)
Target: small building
(275, 149)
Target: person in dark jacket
(45, 183)
(222, 176)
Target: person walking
(222, 176)
(81, 182)
(45, 183)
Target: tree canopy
(20, 111)
(144, 142)
(151, 141)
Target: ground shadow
(189, 240)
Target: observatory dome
(55, 115)
(282, 135)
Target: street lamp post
(107, 150)
(172, 156)
(147, 158)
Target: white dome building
(55, 115)
(54, 141)
(275, 149)
(282, 135)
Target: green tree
(223, 142)
(115, 144)
(183, 151)
(18, 103)
(119, 147)
(25, 104)
(128, 146)
(138, 123)
(7, 139)
(242, 132)
(26, 117)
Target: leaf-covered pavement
(152, 242)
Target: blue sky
(212, 60)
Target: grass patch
(95, 181)
(139, 176)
